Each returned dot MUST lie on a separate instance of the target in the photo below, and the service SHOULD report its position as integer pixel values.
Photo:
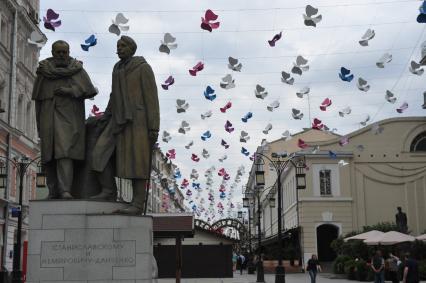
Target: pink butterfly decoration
(206, 22)
(195, 158)
(326, 103)
(196, 69)
(171, 154)
(95, 111)
(226, 107)
(301, 143)
(317, 124)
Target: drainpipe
(10, 121)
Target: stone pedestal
(81, 241)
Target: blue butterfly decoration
(196, 186)
(421, 18)
(245, 151)
(332, 155)
(177, 175)
(222, 195)
(345, 75)
(91, 41)
(246, 117)
(206, 135)
(209, 93)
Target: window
(20, 116)
(2, 94)
(29, 121)
(325, 182)
(4, 31)
(419, 143)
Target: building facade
(347, 187)
(164, 195)
(18, 134)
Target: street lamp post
(260, 271)
(21, 166)
(246, 204)
(259, 189)
(280, 162)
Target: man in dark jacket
(411, 270)
(59, 92)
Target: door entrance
(326, 233)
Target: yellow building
(381, 168)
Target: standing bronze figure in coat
(59, 92)
(133, 117)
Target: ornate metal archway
(225, 223)
(202, 224)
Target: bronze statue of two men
(130, 123)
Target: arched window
(419, 143)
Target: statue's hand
(64, 91)
(153, 136)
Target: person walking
(313, 267)
(242, 261)
(378, 266)
(239, 263)
(393, 263)
(411, 270)
(234, 261)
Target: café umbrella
(389, 238)
(366, 235)
(421, 238)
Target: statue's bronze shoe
(66, 195)
(130, 210)
(104, 195)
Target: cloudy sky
(245, 28)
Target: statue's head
(126, 47)
(61, 53)
(399, 209)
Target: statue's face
(123, 50)
(61, 54)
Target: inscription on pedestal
(61, 254)
(80, 243)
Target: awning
(171, 225)
(421, 238)
(389, 238)
(287, 234)
(364, 236)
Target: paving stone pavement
(269, 278)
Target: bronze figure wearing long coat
(133, 109)
(60, 118)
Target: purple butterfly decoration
(49, 22)
(228, 127)
(275, 39)
(402, 108)
(170, 80)
(224, 144)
